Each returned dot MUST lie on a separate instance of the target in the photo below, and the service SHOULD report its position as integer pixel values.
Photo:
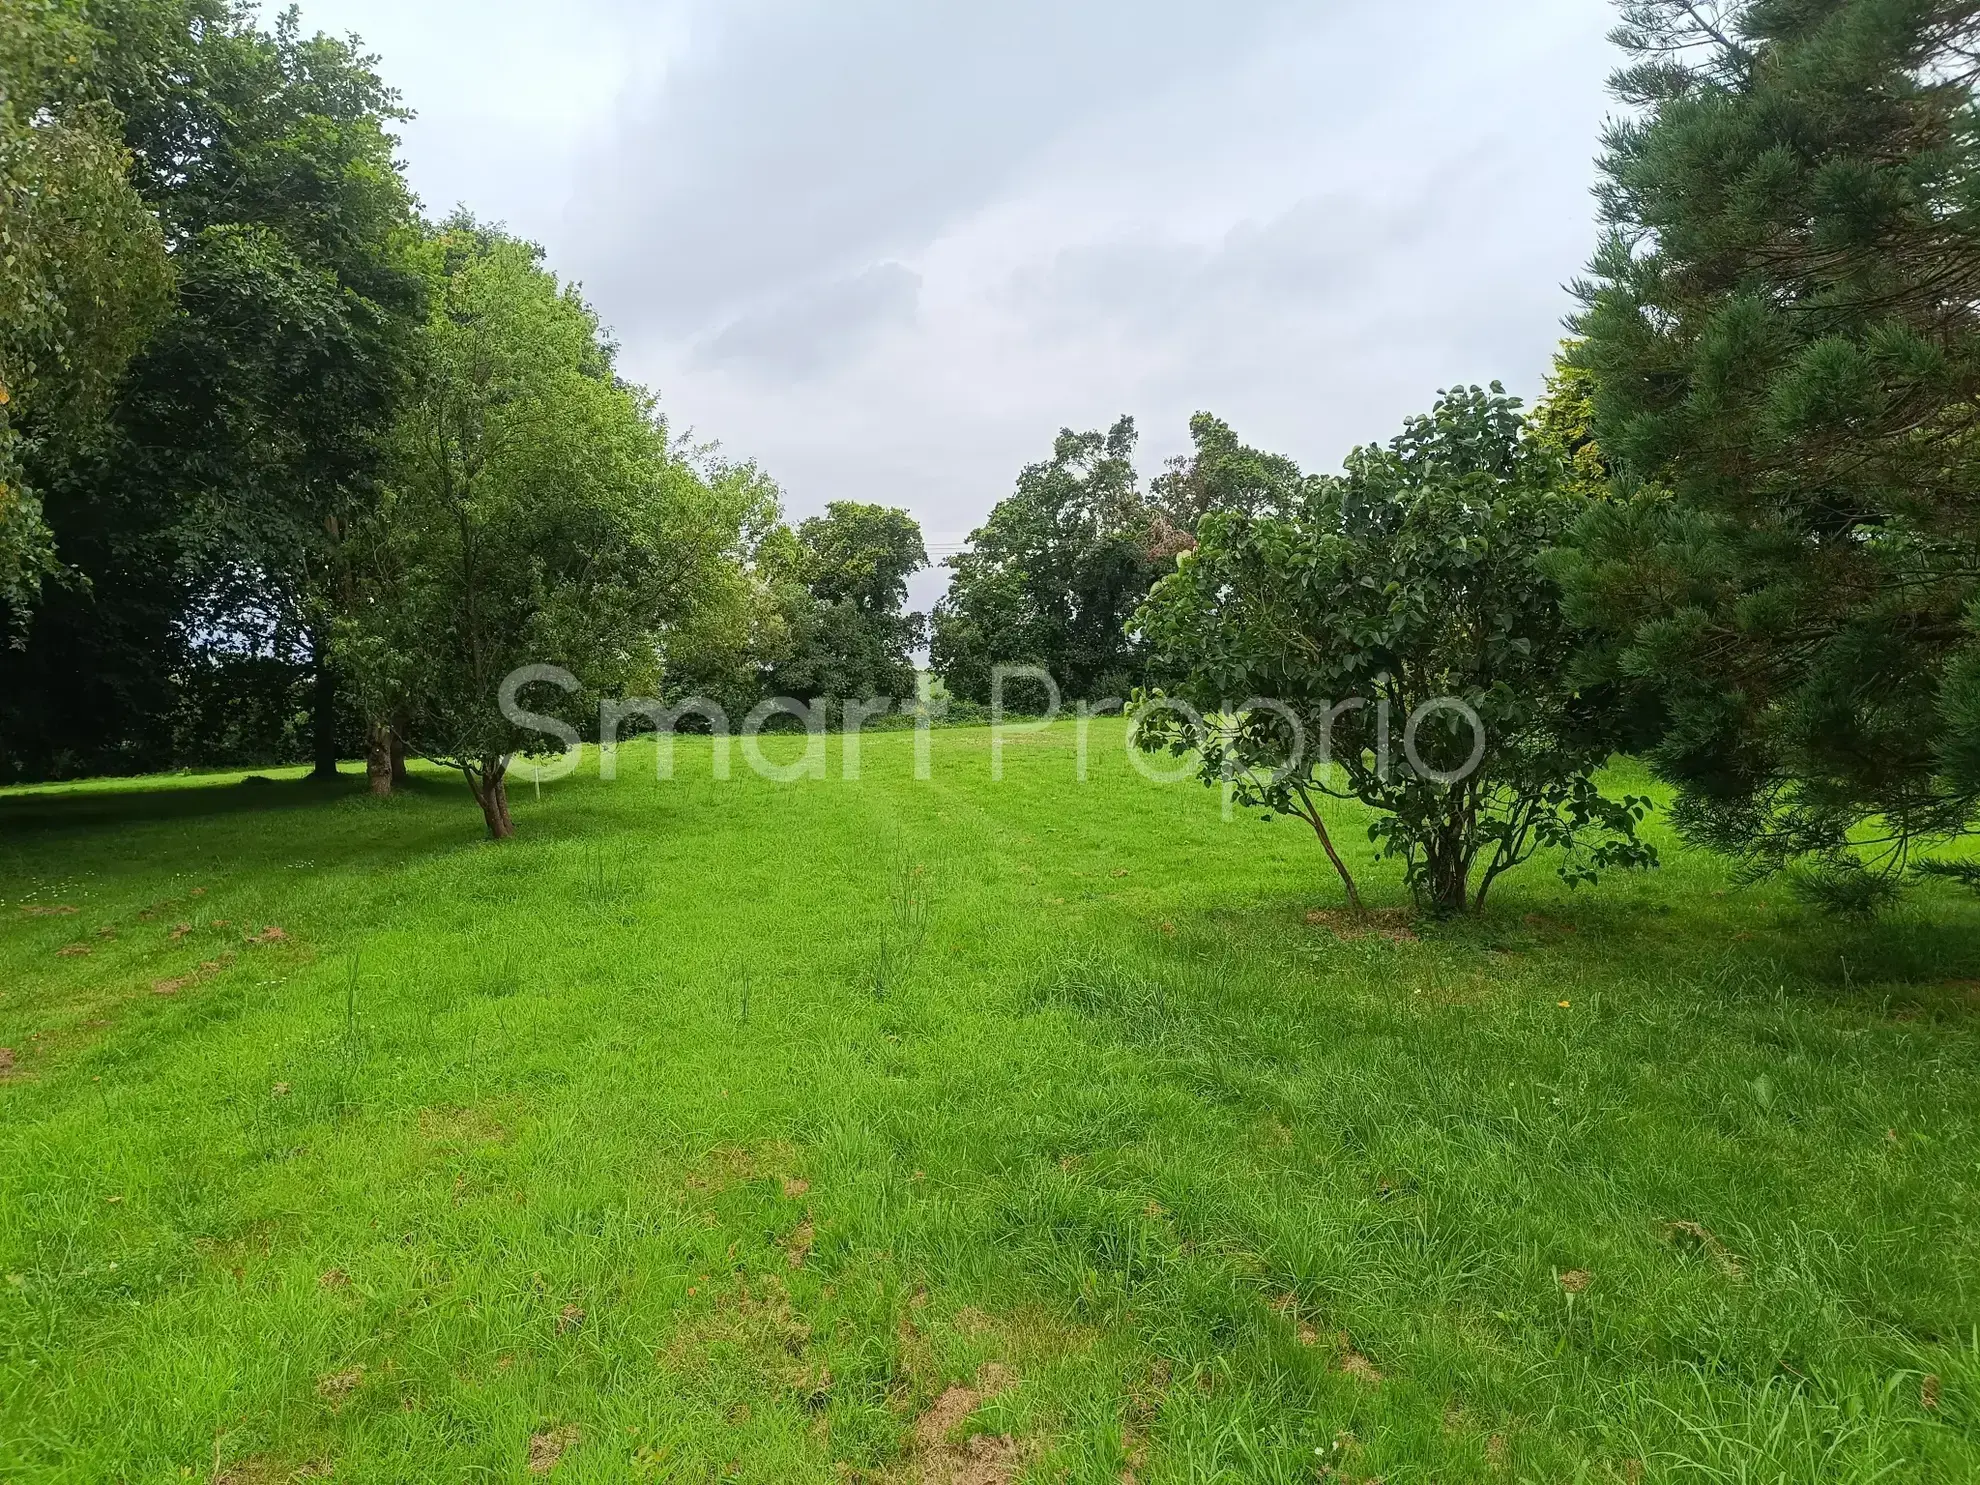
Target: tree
(1054, 574)
(533, 516)
(246, 434)
(845, 579)
(1784, 345)
(84, 277)
(1222, 474)
(1392, 641)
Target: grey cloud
(1327, 251)
(793, 139)
(807, 333)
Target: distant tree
(1391, 640)
(1221, 474)
(1053, 576)
(1784, 345)
(741, 626)
(845, 576)
(84, 276)
(533, 515)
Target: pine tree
(1783, 332)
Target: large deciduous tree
(534, 515)
(1783, 335)
(845, 575)
(1054, 574)
(1221, 473)
(247, 432)
(1390, 639)
(84, 276)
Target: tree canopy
(534, 517)
(200, 518)
(1391, 640)
(1783, 345)
(843, 577)
(1052, 577)
(84, 277)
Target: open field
(900, 1131)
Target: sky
(888, 248)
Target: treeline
(289, 472)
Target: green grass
(715, 1131)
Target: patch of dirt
(338, 1386)
(1576, 1281)
(731, 1165)
(981, 1459)
(269, 935)
(1928, 1394)
(1392, 925)
(206, 971)
(461, 1127)
(1135, 1448)
(263, 1471)
(180, 930)
(548, 1447)
(765, 1325)
(63, 911)
(1303, 1329)
(569, 1318)
(1144, 1401)
(1697, 1237)
(798, 1247)
(73, 951)
(794, 1187)
(6, 1063)
(1352, 1363)
(972, 1321)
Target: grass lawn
(951, 1131)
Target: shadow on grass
(100, 806)
(1744, 943)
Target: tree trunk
(397, 743)
(1447, 871)
(323, 715)
(491, 791)
(1327, 844)
(378, 760)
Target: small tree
(534, 517)
(1393, 642)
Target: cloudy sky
(889, 247)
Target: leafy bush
(1399, 646)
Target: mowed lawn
(953, 1131)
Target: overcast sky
(888, 248)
